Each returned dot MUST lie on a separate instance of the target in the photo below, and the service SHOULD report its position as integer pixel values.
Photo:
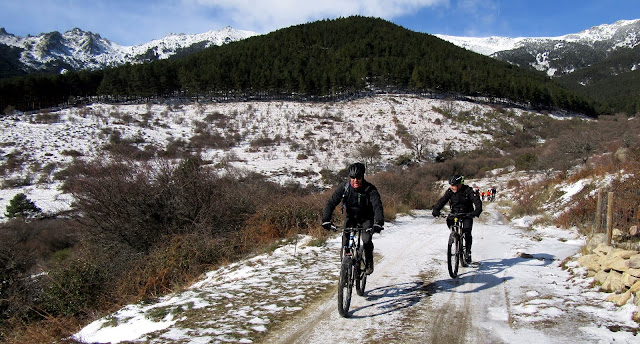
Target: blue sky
(131, 22)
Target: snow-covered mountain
(561, 55)
(78, 50)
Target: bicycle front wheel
(462, 251)
(361, 274)
(453, 256)
(345, 286)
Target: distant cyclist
(363, 205)
(462, 199)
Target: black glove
(476, 214)
(435, 213)
(377, 228)
(327, 225)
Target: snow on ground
(410, 297)
(231, 304)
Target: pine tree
(21, 206)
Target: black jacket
(363, 204)
(462, 201)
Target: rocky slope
(79, 50)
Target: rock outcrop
(617, 271)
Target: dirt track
(410, 297)
(399, 304)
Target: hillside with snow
(286, 141)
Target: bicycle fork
(462, 242)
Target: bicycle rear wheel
(453, 256)
(345, 286)
(361, 274)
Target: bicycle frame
(456, 246)
(352, 269)
(355, 249)
(353, 245)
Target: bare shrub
(15, 162)
(46, 172)
(25, 249)
(72, 153)
(580, 215)
(580, 145)
(370, 154)
(46, 118)
(513, 183)
(145, 118)
(48, 330)
(175, 149)
(264, 141)
(9, 110)
(287, 215)
(127, 150)
(206, 139)
(18, 181)
(176, 261)
(332, 178)
(138, 204)
(530, 198)
(405, 190)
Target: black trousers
(467, 225)
(367, 242)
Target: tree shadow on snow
(395, 297)
(392, 298)
(486, 274)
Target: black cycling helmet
(456, 180)
(356, 170)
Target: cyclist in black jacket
(462, 199)
(363, 205)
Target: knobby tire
(361, 274)
(345, 286)
(453, 254)
(463, 252)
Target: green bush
(73, 288)
(526, 161)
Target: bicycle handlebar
(349, 229)
(459, 215)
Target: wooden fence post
(610, 219)
(598, 224)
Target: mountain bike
(352, 269)
(456, 247)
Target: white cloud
(266, 16)
(482, 14)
